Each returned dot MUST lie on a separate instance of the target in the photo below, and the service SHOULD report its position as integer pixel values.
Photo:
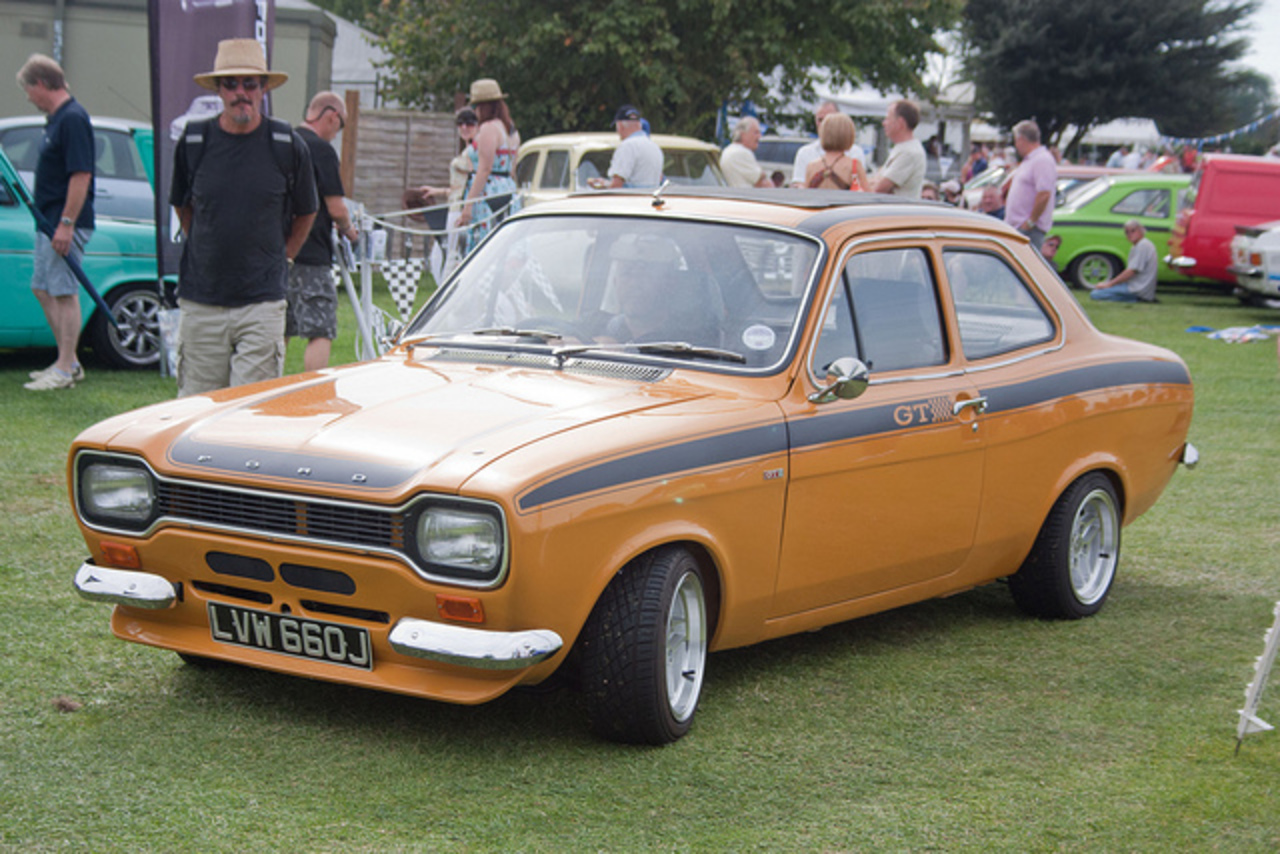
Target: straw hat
(240, 58)
(484, 90)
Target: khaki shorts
(220, 347)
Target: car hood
(377, 428)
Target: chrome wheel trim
(1095, 546)
(137, 336)
(686, 646)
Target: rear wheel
(1073, 562)
(1093, 268)
(644, 650)
(135, 341)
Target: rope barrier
(383, 219)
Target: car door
(22, 322)
(884, 488)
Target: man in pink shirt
(1029, 205)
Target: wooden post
(349, 134)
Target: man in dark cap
(637, 162)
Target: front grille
(275, 514)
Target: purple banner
(183, 38)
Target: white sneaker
(77, 372)
(54, 378)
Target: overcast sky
(1264, 54)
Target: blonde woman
(836, 170)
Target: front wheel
(644, 650)
(1073, 562)
(1093, 268)
(135, 341)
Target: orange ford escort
(631, 430)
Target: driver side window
(885, 312)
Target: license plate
(296, 636)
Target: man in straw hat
(245, 193)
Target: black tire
(135, 343)
(644, 650)
(1092, 269)
(1072, 565)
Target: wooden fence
(393, 150)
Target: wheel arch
(699, 543)
(1106, 464)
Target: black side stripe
(819, 430)
(1081, 380)
(698, 453)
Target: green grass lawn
(953, 725)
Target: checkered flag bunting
(402, 277)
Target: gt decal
(929, 411)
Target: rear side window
(1150, 202)
(994, 307)
(117, 156)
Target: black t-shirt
(66, 148)
(318, 250)
(234, 255)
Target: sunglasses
(342, 123)
(248, 84)
(467, 123)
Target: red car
(1227, 190)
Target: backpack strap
(282, 142)
(195, 137)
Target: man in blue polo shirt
(64, 195)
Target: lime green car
(1091, 224)
(120, 259)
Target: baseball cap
(627, 113)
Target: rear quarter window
(995, 309)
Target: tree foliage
(1086, 62)
(568, 64)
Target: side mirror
(847, 378)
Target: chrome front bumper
(460, 645)
(124, 587)
(467, 647)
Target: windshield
(1079, 195)
(714, 295)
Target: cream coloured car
(553, 166)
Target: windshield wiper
(511, 331)
(684, 348)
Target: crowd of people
(248, 283)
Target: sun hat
(627, 113)
(484, 90)
(240, 58)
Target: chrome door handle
(977, 404)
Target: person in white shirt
(637, 161)
(738, 160)
(903, 173)
(813, 150)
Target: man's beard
(238, 118)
